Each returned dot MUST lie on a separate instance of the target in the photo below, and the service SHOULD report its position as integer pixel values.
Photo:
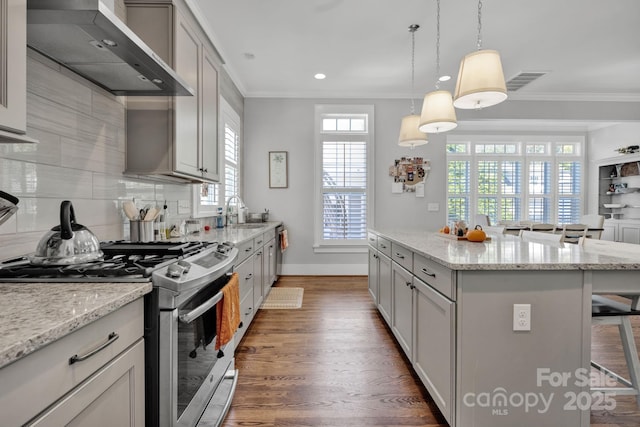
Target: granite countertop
(506, 252)
(35, 314)
(233, 234)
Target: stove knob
(185, 265)
(175, 270)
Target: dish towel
(228, 312)
(284, 240)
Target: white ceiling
(590, 48)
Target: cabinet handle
(412, 287)
(409, 284)
(399, 255)
(258, 253)
(248, 249)
(383, 246)
(249, 276)
(110, 340)
(428, 273)
(206, 170)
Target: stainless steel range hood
(86, 37)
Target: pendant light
(438, 114)
(480, 79)
(410, 136)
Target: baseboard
(325, 269)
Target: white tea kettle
(67, 243)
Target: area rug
(283, 298)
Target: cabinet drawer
(39, 379)
(245, 249)
(436, 275)
(247, 311)
(372, 238)
(402, 256)
(258, 241)
(245, 277)
(384, 246)
(268, 235)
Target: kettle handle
(67, 217)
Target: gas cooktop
(123, 262)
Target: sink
(247, 226)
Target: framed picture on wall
(278, 169)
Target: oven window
(195, 360)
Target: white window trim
(553, 139)
(227, 114)
(320, 246)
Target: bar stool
(605, 311)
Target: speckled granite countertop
(35, 314)
(506, 252)
(233, 234)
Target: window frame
(551, 143)
(322, 245)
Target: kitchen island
(454, 308)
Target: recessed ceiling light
(320, 76)
(444, 78)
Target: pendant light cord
(479, 24)
(412, 29)
(438, 45)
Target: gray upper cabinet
(175, 137)
(13, 71)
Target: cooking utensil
(67, 243)
(151, 214)
(8, 206)
(130, 209)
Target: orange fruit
(446, 229)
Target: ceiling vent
(523, 79)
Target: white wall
(288, 124)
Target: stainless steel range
(185, 376)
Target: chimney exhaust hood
(86, 37)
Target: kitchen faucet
(241, 205)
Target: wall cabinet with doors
(175, 137)
(619, 198)
(13, 71)
(104, 386)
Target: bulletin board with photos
(409, 175)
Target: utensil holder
(141, 231)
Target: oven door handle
(201, 309)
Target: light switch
(433, 207)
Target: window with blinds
(231, 154)
(344, 190)
(515, 180)
(343, 155)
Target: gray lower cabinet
(419, 306)
(258, 279)
(107, 399)
(402, 311)
(268, 266)
(106, 388)
(434, 345)
(384, 286)
(247, 306)
(373, 279)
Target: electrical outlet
(521, 317)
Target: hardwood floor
(334, 362)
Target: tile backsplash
(80, 157)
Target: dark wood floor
(335, 363)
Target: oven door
(190, 372)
